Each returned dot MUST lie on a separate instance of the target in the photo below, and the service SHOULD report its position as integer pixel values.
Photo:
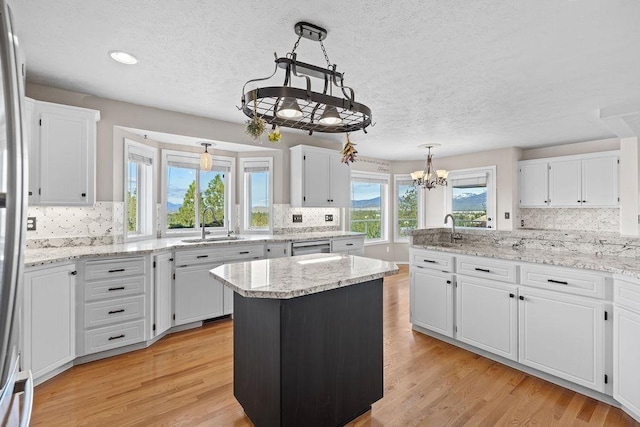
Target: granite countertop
(628, 266)
(35, 257)
(284, 278)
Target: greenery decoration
(349, 151)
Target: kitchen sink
(212, 239)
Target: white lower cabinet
(278, 250)
(432, 300)
(163, 307)
(562, 335)
(48, 340)
(197, 296)
(487, 316)
(626, 351)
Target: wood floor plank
(186, 379)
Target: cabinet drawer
(198, 256)
(569, 280)
(345, 245)
(241, 252)
(433, 260)
(102, 289)
(627, 294)
(113, 336)
(113, 311)
(487, 268)
(95, 270)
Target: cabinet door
(278, 250)
(626, 354)
(340, 182)
(163, 302)
(565, 183)
(31, 138)
(197, 295)
(317, 191)
(600, 182)
(562, 335)
(534, 185)
(487, 315)
(49, 319)
(228, 300)
(65, 160)
(432, 301)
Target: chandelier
(429, 177)
(301, 107)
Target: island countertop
(290, 277)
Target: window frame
(397, 179)
(245, 221)
(147, 180)
(229, 210)
(490, 172)
(385, 179)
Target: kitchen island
(307, 337)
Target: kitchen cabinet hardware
(511, 295)
(430, 260)
(116, 337)
(84, 194)
(244, 252)
(484, 270)
(116, 270)
(448, 282)
(202, 256)
(349, 244)
(521, 298)
(73, 273)
(116, 311)
(117, 288)
(560, 282)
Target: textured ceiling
(471, 75)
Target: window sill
(376, 242)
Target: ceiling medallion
(301, 107)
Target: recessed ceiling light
(123, 57)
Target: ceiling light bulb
(330, 116)
(206, 162)
(123, 57)
(289, 109)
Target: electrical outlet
(31, 223)
(507, 215)
(297, 217)
(522, 223)
(328, 218)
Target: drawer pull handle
(119, 288)
(244, 252)
(484, 270)
(419, 266)
(430, 260)
(117, 311)
(117, 270)
(116, 338)
(557, 281)
(349, 244)
(202, 256)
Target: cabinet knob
(584, 201)
(84, 194)
(512, 296)
(448, 282)
(73, 273)
(521, 298)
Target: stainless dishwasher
(311, 247)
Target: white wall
(629, 186)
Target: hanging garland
(349, 151)
(256, 124)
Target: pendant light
(330, 116)
(429, 177)
(206, 162)
(289, 109)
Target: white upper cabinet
(318, 178)
(586, 180)
(534, 184)
(62, 155)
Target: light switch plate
(507, 215)
(297, 217)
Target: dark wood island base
(314, 360)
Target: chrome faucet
(204, 211)
(454, 235)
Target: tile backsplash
(594, 219)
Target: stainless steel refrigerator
(16, 392)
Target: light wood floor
(186, 380)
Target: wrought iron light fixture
(206, 162)
(302, 107)
(429, 177)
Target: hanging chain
(295, 46)
(325, 54)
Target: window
(139, 191)
(471, 197)
(368, 212)
(189, 193)
(257, 193)
(408, 207)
